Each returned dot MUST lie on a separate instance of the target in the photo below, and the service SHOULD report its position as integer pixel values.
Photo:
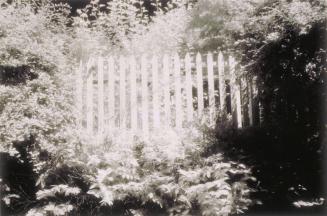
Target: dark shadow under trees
(287, 151)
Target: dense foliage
(282, 44)
(50, 168)
(37, 121)
(130, 176)
(131, 27)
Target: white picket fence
(152, 92)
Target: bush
(128, 174)
(37, 129)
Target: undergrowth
(166, 174)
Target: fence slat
(133, 93)
(100, 97)
(235, 93)
(188, 79)
(178, 95)
(79, 93)
(166, 73)
(238, 105)
(250, 104)
(89, 97)
(199, 83)
(155, 90)
(111, 99)
(122, 93)
(232, 86)
(211, 87)
(145, 111)
(221, 78)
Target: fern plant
(169, 176)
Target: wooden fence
(150, 92)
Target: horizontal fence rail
(150, 92)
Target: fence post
(211, 88)
(100, 98)
(166, 73)
(199, 84)
(178, 95)
(145, 112)
(188, 80)
(235, 93)
(79, 93)
(221, 77)
(133, 94)
(155, 89)
(111, 99)
(239, 103)
(122, 93)
(89, 97)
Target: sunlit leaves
(143, 171)
(51, 209)
(57, 190)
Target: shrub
(161, 175)
(37, 129)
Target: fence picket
(188, 80)
(111, 99)
(155, 89)
(166, 73)
(145, 111)
(250, 105)
(238, 105)
(221, 81)
(133, 104)
(79, 93)
(235, 93)
(199, 84)
(178, 95)
(211, 87)
(89, 97)
(100, 97)
(232, 87)
(122, 93)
